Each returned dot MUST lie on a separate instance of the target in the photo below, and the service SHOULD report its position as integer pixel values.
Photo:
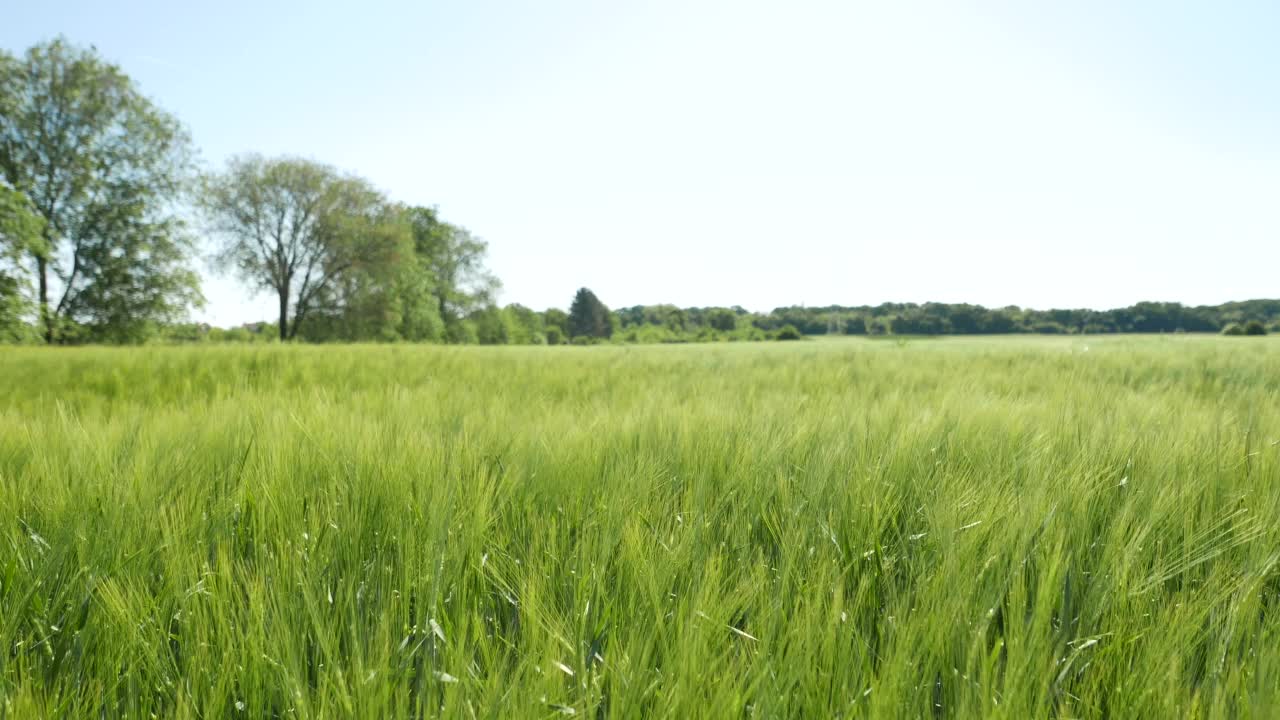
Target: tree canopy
(315, 237)
(454, 259)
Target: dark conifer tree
(588, 317)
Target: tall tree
(103, 168)
(454, 258)
(297, 228)
(588, 317)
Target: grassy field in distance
(1077, 527)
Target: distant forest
(105, 213)
(590, 321)
(952, 319)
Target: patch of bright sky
(1086, 154)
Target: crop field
(996, 528)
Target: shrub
(1254, 327)
(1233, 329)
(722, 319)
(788, 332)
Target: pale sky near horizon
(697, 152)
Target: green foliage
(344, 263)
(961, 319)
(369, 299)
(588, 317)
(454, 260)
(555, 335)
(722, 319)
(788, 332)
(649, 334)
(102, 167)
(1251, 328)
(409, 291)
(21, 227)
(787, 530)
(493, 326)
(556, 322)
(853, 324)
(463, 332)
(325, 243)
(666, 323)
(525, 325)
(21, 234)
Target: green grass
(996, 528)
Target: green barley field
(989, 528)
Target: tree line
(965, 319)
(590, 321)
(671, 324)
(102, 204)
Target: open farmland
(1004, 528)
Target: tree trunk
(284, 312)
(42, 269)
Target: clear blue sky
(1082, 154)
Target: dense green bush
(788, 332)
